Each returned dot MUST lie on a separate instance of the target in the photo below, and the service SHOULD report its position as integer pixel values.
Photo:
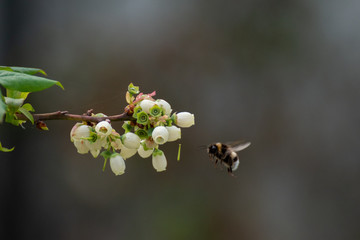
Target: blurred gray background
(282, 74)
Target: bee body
(226, 154)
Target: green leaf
(2, 108)
(27, 114)
(28, 107)
(3, 149)
(31, 71)
(24, 82)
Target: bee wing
(239, 147)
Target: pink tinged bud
(185, 119)
(174, 133)
(160, 135)
(79, 131)
(131, 140)
(159, 161)
(117, 165)
(146, 105)
(103, 128)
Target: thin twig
(64, 115)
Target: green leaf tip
(3, 149)
(133, 89)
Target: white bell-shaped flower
(146, 105)
(165, 105)
(159, 160)
(81, 146)
(117, 164)
(78, 135)
(131, 140)
(174, 133)
(103, 128)
(144, 153)
(160, 135)
(95, 147)
(184, 119)
(127, 152)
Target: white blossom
(127, 152)
(95, 147)
(117, 164)
(131, 140)
(174, 133)
(144, 153)
(103, 128)
(159, 160)
(165, 105)
(160, 135)
(78, 135)
(146, 105)
(185, 119)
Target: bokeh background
(282, 74)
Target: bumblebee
(226, 154)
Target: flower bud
(103, 128)
(79, 131)
(127, 152)
(184, 119)
(174, 133)
(131, 140)
(77, 135)
(160, 135)
(117, 164)
(146, 105)
(144, 153)
(158, 160)
(165, 105)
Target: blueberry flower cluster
(151, 126)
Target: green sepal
(27, 114)
(144, 146)
(142, 118)
(127, 127)
(3, 149)
(24, 82)
(137, 110)
(31, 71)
(169, 122)
(142, 133)
(133, 89)
(174, 118)
(157, 152)
(149, 131)
(155, 111)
